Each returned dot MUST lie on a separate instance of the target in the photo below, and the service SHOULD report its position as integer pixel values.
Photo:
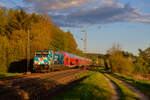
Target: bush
(120, 64)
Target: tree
(118, 62)
(40, 37)
(142, 62)
(71, 45)
(106, 61)
(3, 54)
(140, 67)
(3, 21)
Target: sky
(107, 22)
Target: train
(50, 60)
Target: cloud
(78, 13)
(141, 5)
(111, 3)
(53, 5)
(2, 4)
(101, 15)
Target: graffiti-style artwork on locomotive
(49, 60)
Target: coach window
(67, 59)
(77, 60)
(72, 63)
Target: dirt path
(37, 87)
(114, 88)
(137, 92)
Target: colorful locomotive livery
(49, 60)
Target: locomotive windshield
(44, 55)
(38, 55)
(41, 54)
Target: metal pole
(85, 40)
(28, 53)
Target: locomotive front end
(42, 60)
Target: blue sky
(126, 22)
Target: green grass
(124, 91)
(94, 87)
(143, 85)
(9, 74)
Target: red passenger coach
(71, 60)
(74, 61)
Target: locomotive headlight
(45, 63)
(36, 63)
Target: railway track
(13, 77)
(35, 86)
(64, 74)
(51, 74)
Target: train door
(67, 60)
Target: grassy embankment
(94, 87)
(124, 92)
(143, 85)
(9, 74)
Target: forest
(44, 34)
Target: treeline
(44, 34)
(119, 61)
